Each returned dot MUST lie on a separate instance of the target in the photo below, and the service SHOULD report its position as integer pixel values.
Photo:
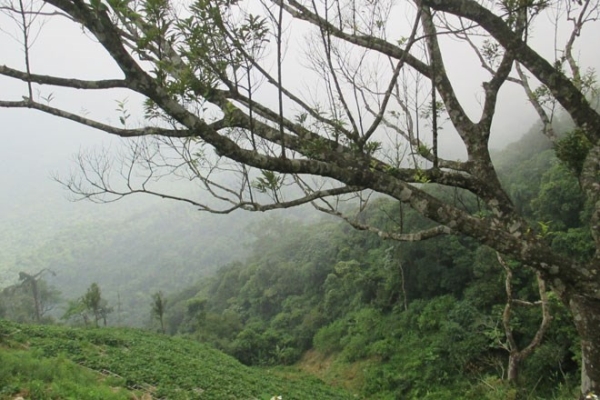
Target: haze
(35, 209)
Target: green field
(53, 362)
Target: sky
(34, 145)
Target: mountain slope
(129, 253)
(170, 368)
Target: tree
(33, 282)
(95, 304)
(379, 94)
(76, 308)
(159, 304)
(90, 306)
(516, 355)
(30, 299)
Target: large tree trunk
(586, 314)
(514, 363)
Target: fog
(34, 208)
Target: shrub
(328, 339)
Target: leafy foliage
(573, 149)
(418, 318)
(159, 303)
(29, 374)
(171, 368)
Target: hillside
(169, 368)
(131, 248)
(130, 252)
(410, 320)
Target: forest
(440, 267)
(127, 253)
(378, 318)
(426, 319)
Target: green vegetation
(340, 292)
(90, 307)
(170, 368)
(400, 320)
(130, 255)
(30, 375)
(380, 319)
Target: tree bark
(586, 314)
(516, 356)
(514, 363)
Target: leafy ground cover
(170, 368)
(30, 375)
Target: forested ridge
(130, 254)
(384, 319)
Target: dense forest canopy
(220, 110)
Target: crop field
(126, 363)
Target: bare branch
(561, 87)
(386, 235)
(56, 81)
(95, 124)
(587, 13)
(516, 355)
(441, 82)
(393, 81)
(548, 129)
(369, 42)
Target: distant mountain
(131, 248)
(131, 255)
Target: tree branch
(441, 82)
(561, 87)
(298, 11)
(95, 124)
(386, 235)
(535, 102)
(56, 81)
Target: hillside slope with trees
(425, 319)
(130, 255)
(387, 319)
(368, 102)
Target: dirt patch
(333, 371)
(315, 363)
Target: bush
(492, 388)
(328, 339)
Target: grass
(334, 371)
(165, 367)
(30, 375)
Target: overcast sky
(34, 144)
